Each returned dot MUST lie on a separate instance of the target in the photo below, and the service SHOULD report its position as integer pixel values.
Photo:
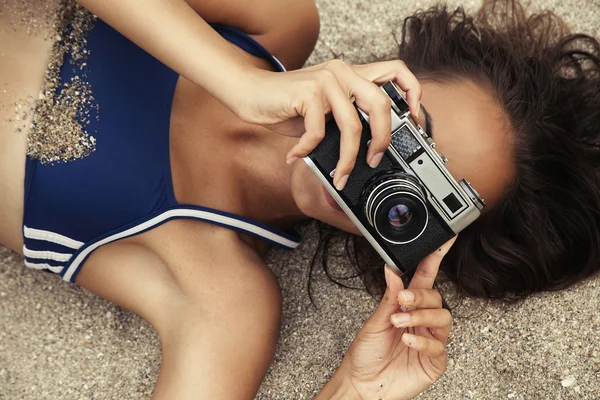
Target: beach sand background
(59, 342)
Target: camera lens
(399, 217)
(395, 206)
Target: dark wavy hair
(543, 234)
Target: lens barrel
(395, 206)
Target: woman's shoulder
(287, 29)
(177, 260)
(184, 248)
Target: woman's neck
(265, 179)
(221, 162)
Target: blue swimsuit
(123, 188)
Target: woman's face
(468, 126)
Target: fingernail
(375, 160)
(342, 182)
(291, 160)
(400, 319)
(387, 272)
(406, 296)
(408, 338)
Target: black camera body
(409, 205)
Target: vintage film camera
(410, 204)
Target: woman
(232, 185)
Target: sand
(59, 342)
(59, 128)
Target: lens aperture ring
(421, 218)
(398, 193)
(395, 179)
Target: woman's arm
(172, 32)
(287, 28)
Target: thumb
(389, 304)
(393, 281)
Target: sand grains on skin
(21, 19)
(35, 17)
(65, 109)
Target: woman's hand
(295, 103)
(400, 350)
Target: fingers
(421, 298)
(398, 72)
(371, 100)
(350, 128)
(380, 319)
(429, 312)
(378, 106)
(314, 125)
(433, 348)
(333, 89)
(429, 267)
(438, 320)
(330, 92)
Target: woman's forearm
(338, 388)
(172, 32)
